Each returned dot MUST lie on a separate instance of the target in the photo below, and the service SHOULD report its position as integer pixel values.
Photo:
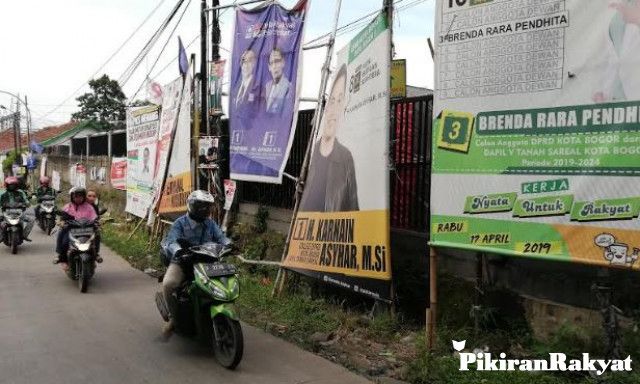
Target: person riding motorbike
(79, 208)
(43, 190)
(195, 228)
(92, 198)
(15, 195)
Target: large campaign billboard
(341, 232)
(537, 131)
(264, 89)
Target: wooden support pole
(433, 299)
(135, 229)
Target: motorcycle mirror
(102, 211)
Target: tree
(105, 104)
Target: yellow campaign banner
(347, 243)
(398, 78)
(175, 193)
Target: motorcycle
(12, 215)
(81, 256)
(47, 219)
(205, 302)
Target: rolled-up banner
(341, 232)
(264, 89)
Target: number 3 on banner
(454, 131)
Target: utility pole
(204, 112)
(28, 122)
(215, 56)
(16, 128)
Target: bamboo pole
(135, 229)
(431, 321)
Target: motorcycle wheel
(15, 239)
(228, 349)
(50, 225)
(83, 276)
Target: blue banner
(264, 86)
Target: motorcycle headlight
(83, 247)
(13, 221)
(218, 293)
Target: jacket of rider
(82, 211)
(194, 232)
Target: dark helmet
(77, 191)
(11, 183)
(44, 181)
(199, 205)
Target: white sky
(50, 48)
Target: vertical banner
(43, 166)
(142, 139)
(264, 90)
(80, 176)
(178, 186)
(55, 180)
(170, 108)
(229, 193)
(537, 136)
(341, 233)
(207, 151)
(216, 77)
(398, 79)
(118, 174)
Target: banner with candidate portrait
(142, 140)
(264, 90)
(178, 185)
(118, 174)
(537, 130)
(341, 232)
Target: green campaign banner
(536, 134)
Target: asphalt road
(51, 333)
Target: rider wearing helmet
(196, 228)
(43, 190)
(79, 208)
(14, 195)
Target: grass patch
(136, 250)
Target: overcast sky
(51, 48)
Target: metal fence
(410, 165)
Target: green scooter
(205, 303)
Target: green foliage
(103, 105)
(8, 162)
(135, 250)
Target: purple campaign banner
(263, 101)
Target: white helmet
(199, 205)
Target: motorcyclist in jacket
(14, 195)
(79, 209)
(197, 228)
(43, 190)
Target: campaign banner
(178, 186)
(208, 151)
(55, 180)
(398, 78)
(142, 138)
(80, 176)
(536, 140)
(216, 77)
(341, 232)
(264, 90)
(229, 193)
(170, 108)
(43, 166)
(118, 174)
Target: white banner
(142, 139)
(55, 180)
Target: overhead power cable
(130, 70)
(108, 60)
(162, 50)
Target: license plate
(215, 270)
(81, 231)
